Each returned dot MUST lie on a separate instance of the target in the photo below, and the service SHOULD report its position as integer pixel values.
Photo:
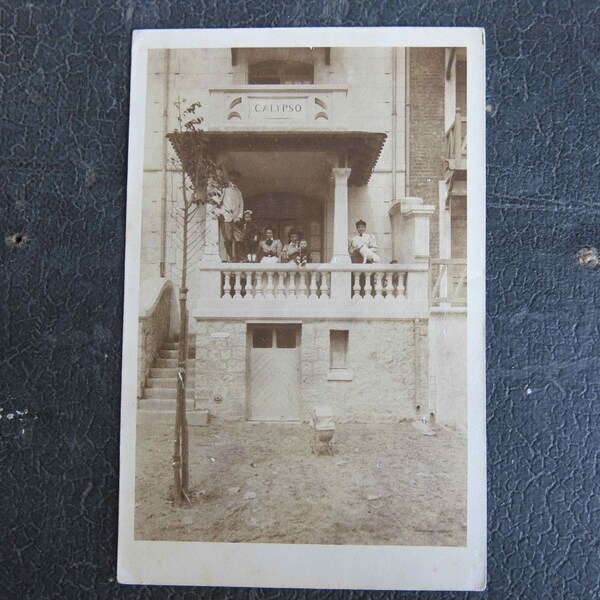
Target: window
(286, 338)
(262, 338)
(281, 72)
(338, 355)
(338, 345)
(275, 336)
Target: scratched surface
(64, 77)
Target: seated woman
(297, 249)
(269, 249)
(292, 248)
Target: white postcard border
(294, 565)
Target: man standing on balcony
(363, 245)
(230, 212)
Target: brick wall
(427, 142)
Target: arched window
(281, 72)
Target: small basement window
(262, 338)
(338, 355)
(286, 338)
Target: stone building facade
(322, 137)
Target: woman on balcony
(269, 249)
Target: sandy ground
(259, 482)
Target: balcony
(278, 107)
(448, 283)
(456, 144)
(286, 291)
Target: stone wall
(153, 331)
(384, 361)
(221, 367)
(388, 361)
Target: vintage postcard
(303, 400)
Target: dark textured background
(64, 77)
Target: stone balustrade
(336, 291)
(312, 282)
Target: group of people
(243, 243)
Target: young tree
(197, 170)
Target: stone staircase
(157, 407)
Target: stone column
(410, 231)
(341, 281)
(340, 217)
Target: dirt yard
(259, 482)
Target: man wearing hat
(246, 249)
(230, 213)
(363, 245)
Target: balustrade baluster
(259, 286)
(280, 288)
(302, 286)
(313, 286)
(368, 286)
(378, 286)
(226, 284)
(400, 286)
(238, 285)
(270, 285)
(324, 285)
(249, 286)
(356, 287)
(292, 285)
(388, 285)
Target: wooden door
(274, 375)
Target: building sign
(280, 109)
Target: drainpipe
(163, 200)
(394, 121)
(407, 123)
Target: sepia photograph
(299, 267)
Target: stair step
(195, 418)
(165, 372)
(169, 353)
(166, 393)
(164, 404)
(165, 363)
(170, 346)
(168, 382)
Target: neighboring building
(322, 137)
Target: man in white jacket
(230, 212)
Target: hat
(248, 212)
(360, 222)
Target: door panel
(275, 378)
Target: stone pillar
(341, 281)
(340, 217)
(445, 228)
(410, 230)
(211, 237)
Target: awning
(358, 150)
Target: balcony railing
(312, 282)
(456, 143)
(448, 282)
(291, 106)
(316, 290)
